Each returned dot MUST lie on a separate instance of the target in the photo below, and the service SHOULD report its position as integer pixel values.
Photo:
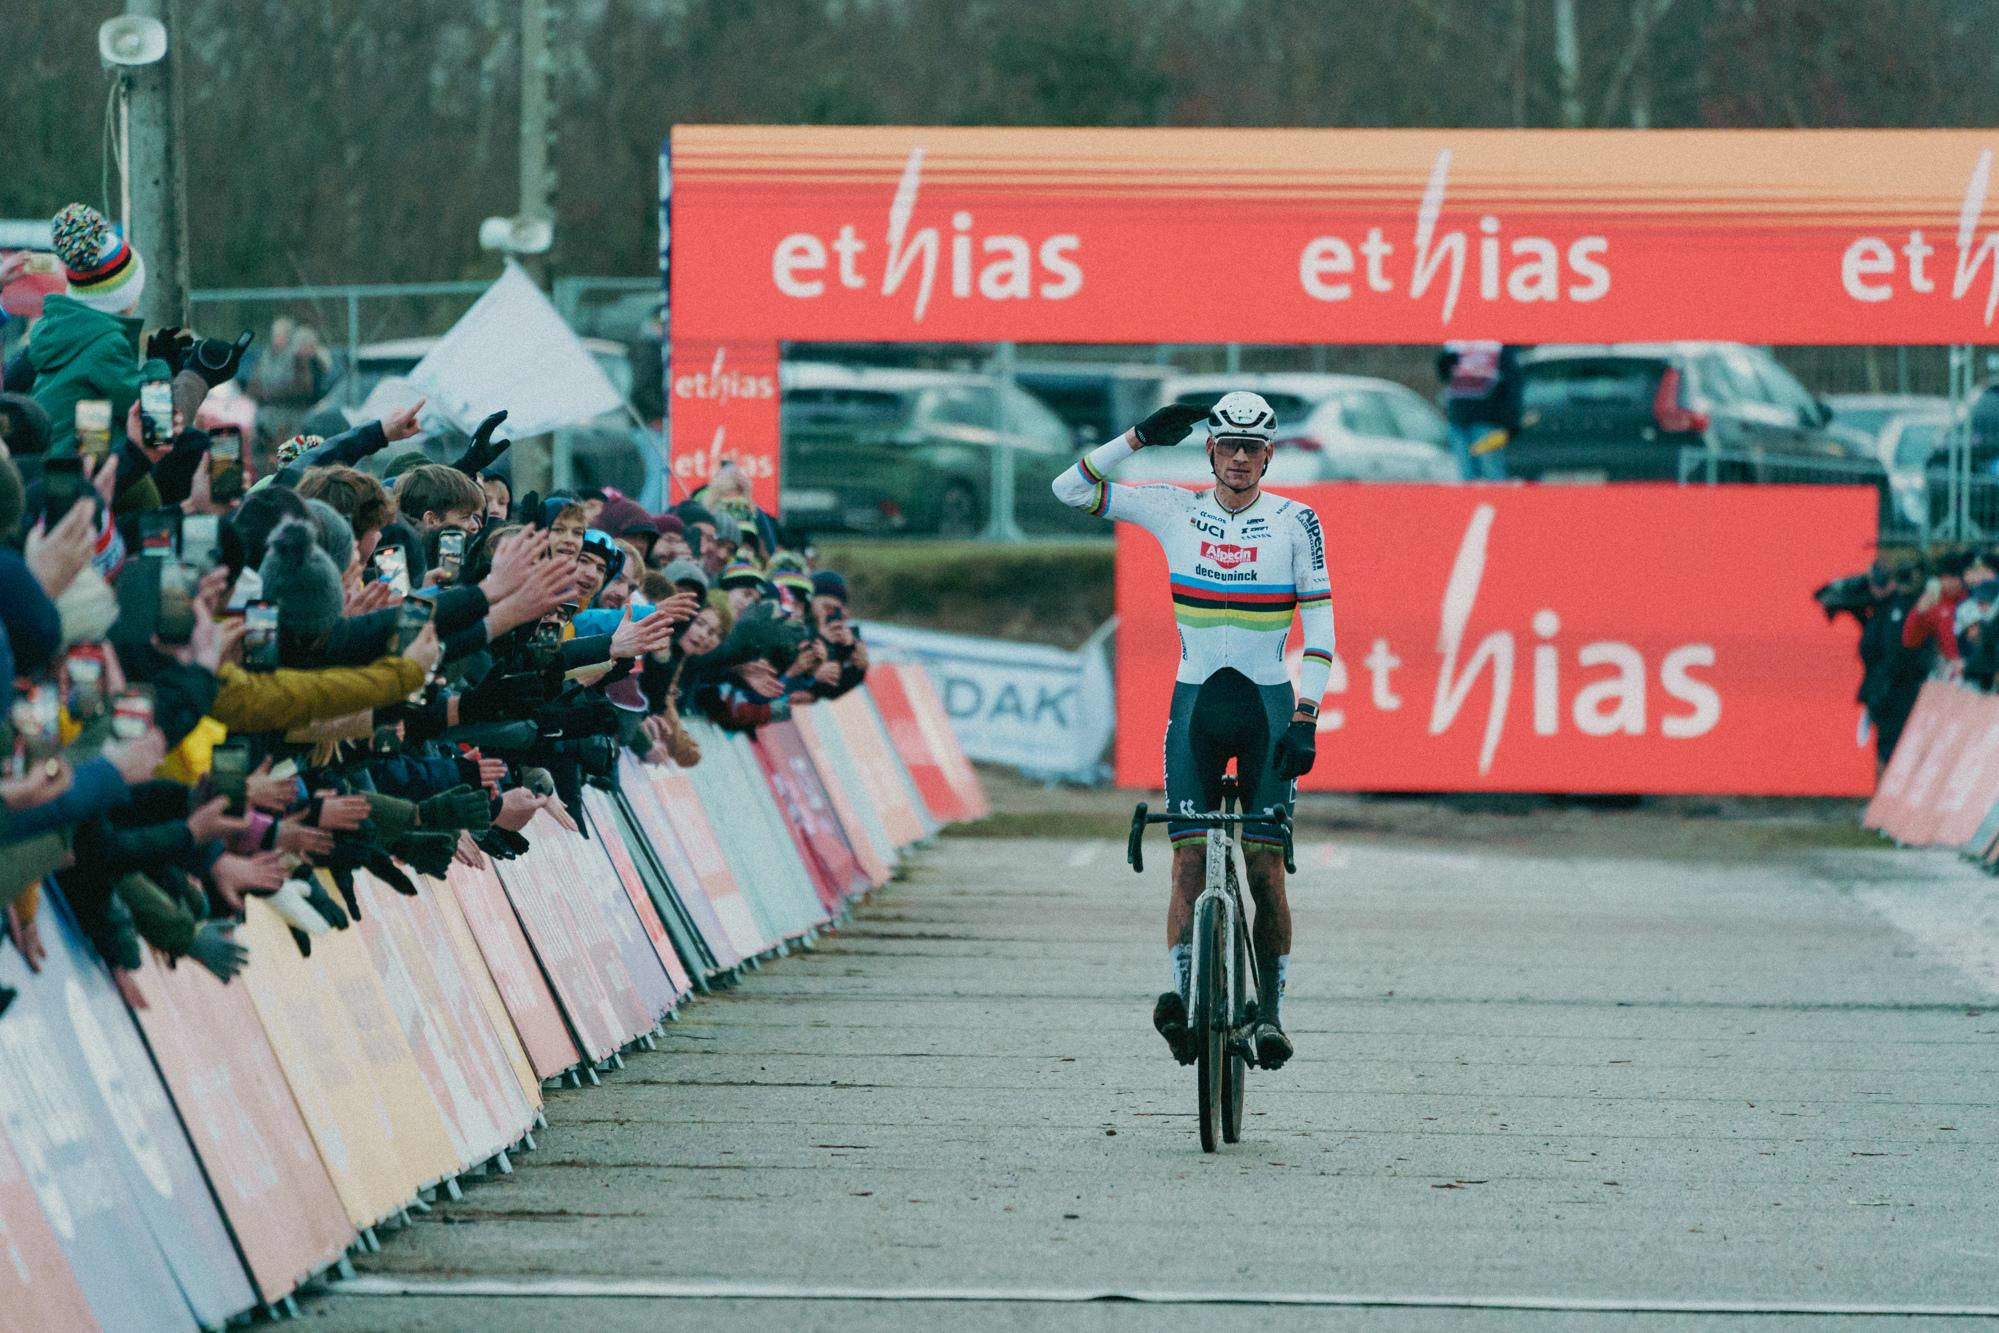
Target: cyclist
(1241, 563)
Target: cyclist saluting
(1241, 564)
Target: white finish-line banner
(655, 1289)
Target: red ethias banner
(1557, 639)
(1355, 236)
(722, 404)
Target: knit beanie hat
(668, 525)
(621, 516)
(335, 533)
(786, 562)
(794, 580)
(691, 513)
(104, 273)
(297, 447)
(24, 424)
(741, 574)
(687, 571)
(827, 583)
(301, 581)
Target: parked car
(894, 451)
(1869, 414)
(1624, 411)
(1910, 444)
(1095, 399)
(609, 451)
(1329, 428)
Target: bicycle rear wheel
(1235, 1069)
(1210, 1022)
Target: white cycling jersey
(1237, 576)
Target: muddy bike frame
(1223, 971)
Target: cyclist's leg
(1183, 791)
(1263, 853)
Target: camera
(1854, 595)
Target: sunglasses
(1239, 446)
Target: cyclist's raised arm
(1315, 603)
(1087, 486)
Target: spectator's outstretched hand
(425, 649)
(216, 949)
(234, 876)
(212, 821)
(760, 678)
(342, 814)
(26, 936)
(56, 557)
(400, 424)
(38, 786)
(372, 595)
(135, 760)
(468, 853)
(170, 345)
(299, 838)
(680, 608)
(266, 792)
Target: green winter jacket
(80, 353)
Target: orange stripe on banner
(943, 739)
(906, 733)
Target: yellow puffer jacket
(279, 700)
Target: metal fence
(1946, 504)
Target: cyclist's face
(1238, 462)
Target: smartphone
(229, 766)
(410, 620)
(451, 551)
(225, 468)
(62, 487)
(159, 532)
(249, 587)
(201, 540)
(260, 637)
(393, 569)
(83, 683)
(37, 719)
(174, 621)
(156, 410)
(93, 427)
(132, 713)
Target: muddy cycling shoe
(1169, 1017)
(1272, 1047)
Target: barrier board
(604, 819)
(238, 1111)
(350, 1070)
(89, 1027)
(570, 950)
(1550, 638)
(802, 799)
(857, 815)
(678, 802)
(466, 1071)
(913, 745)
(38, 1293)
(886, 788)
(694, 892)
(517, 977)
(921, 687)
(66, 1148)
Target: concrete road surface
(1623, 1075)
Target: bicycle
(1220, 1013)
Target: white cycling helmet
(1242, 415)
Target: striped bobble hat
(797, 581)
(104, 272)
(741, 574)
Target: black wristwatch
(1308, 708)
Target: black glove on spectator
(379, 864)
(1169, 425)
(430, 853)
(216, 361)
(501, 844)
(1296, 749)
(483, 453)
(570, 721)
(502, 698)
(170, 345)
(216, 949)
(321, 901)
(460, 808)
(343, 880)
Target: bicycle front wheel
(1211, 1022)
(1235, 1070)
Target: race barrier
(1941, 789)
(175, 1152)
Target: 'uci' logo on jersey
(1227, 554)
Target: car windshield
(1589, 381)
(1919, 442)
(844, 407)
(1867, 420)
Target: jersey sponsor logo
(1227, 554)
(1310, 522)
(1226, 576)
(1202, 523)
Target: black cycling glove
(216, 361)
(1169, 425)
(1296, 749)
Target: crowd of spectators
(220, 685)
(1919, 620)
